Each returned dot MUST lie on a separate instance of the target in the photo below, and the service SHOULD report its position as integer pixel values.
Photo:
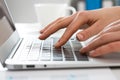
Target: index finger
(52, 28)
(80, 19)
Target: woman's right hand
(96, 19)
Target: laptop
(22, 53)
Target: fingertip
(41, 37)
(93, 53)
(82, 51)
(41, 31)
(57, 45)
(80, 37)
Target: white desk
(26, 30)
(116, 72)
(60, 74)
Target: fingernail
(80, 36)
(42, 37)
(56, 45)
(41, 31)
(82, 50)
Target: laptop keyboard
(43, 50)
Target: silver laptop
(22, 53)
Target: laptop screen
(8, 33)
(7, 27)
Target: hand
(96, 19)
(107, 41)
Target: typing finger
(106, 49)
(78, 21)
(101, 40)
(56, 26)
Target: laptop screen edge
(10, 42)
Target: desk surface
(116, 72)
(59, 74)
(25, 29)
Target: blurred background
(23, 10)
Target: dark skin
(97, 20)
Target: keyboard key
(47, 43)
(34, 51)
(26, 50)
(67, 46)
(68, 54)
(57, 52)
(34, 54)
(46, 50)
(76, 47)
(81, 57)
(57, 55)
(46, 55)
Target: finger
(94, 30)
(106, 49)
(101, 40)
(114, 27)
(111, 29)
(41, 31)
(80, 19)
(91, 31)
(56, 26)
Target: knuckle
(83, 13)
(103, 37)
(60, 22)
(60, 18)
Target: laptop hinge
(15, 48)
